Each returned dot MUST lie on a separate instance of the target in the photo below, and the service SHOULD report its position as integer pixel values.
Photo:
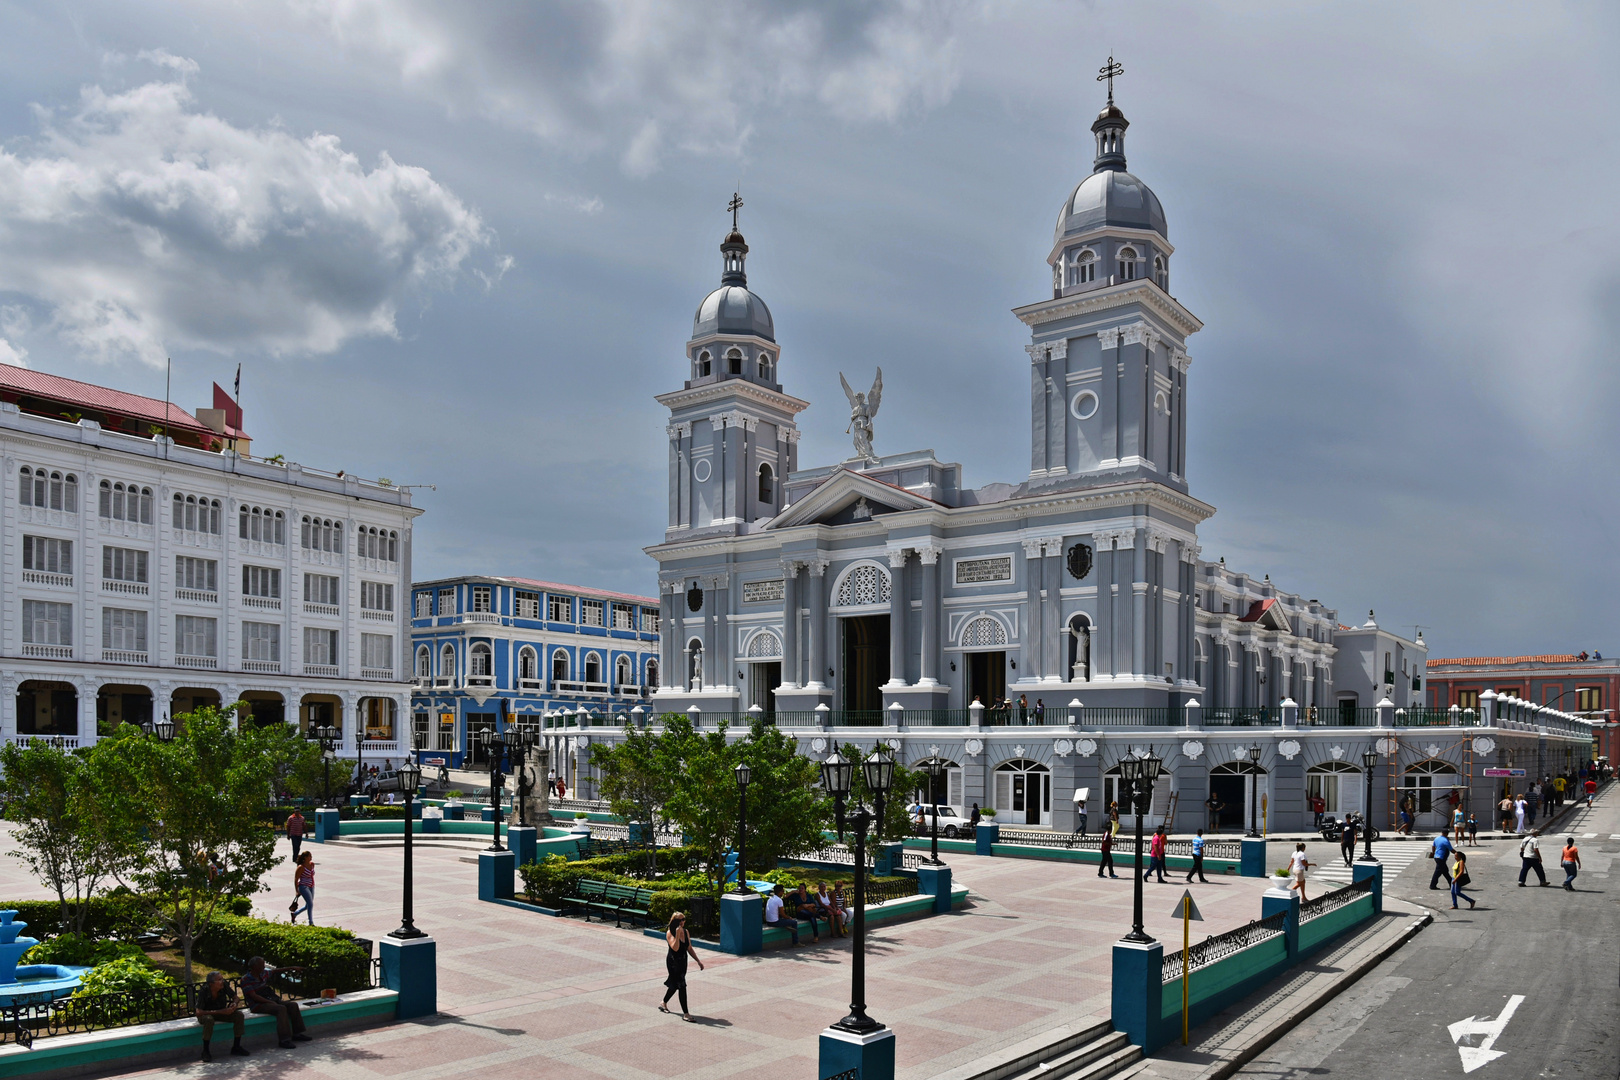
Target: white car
(951, 824)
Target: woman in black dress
(680, 947)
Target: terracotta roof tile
(1497, 661)
(26, 381)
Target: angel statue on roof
(862, 407)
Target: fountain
(30, 982)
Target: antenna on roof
(168, 377)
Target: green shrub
(122, 976)
(548, 881)
(668, 901)
(76, 950)
(332, 957)
(117, 914)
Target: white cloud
(11, 354)
(642, 78)
(144, 225)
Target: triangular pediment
(847, 497)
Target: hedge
(121, 916)
(549, 881)
(334, 958)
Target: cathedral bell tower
(732, 439)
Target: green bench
(604, 897)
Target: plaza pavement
(526, 995)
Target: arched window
(559, 666)
(1161, 276)
(946, 791)
(447, 662)
(1423, 780)
(528, 664)
(322, 534)
(261, 525)
(593, 668)
(704, 364)
(196, 515)
(126, 502)
(1083, 268)
(481, 667)
(1080, 648)
(767, 486)
(48, 490)
(865, 584)
(764, 645)
(1023, 792)
(625, 674)
(765, 366)
(652, 674)
(1337, 784)
(983, 632)
(1127, 264)
(424, 663)
(734, 361)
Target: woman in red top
(1571, 859)
(304, 883)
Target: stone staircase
(1093, 1051)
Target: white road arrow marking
(1475, 1056)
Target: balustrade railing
(1220, 946)
(1338, 898)
(1213, 849)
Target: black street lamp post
(743, 774)
(406, 782)
(328, 738)
(162, 730)
(1140, 774)
(1254, 790)
(1369, 758)
(836, 775)
(493, 745)
(934, 767)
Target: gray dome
(732, 309)
(1111, 197)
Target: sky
(461, 245)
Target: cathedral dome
(733, 309)
(1111, 198)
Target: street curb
(1311, 1005)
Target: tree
(47, 795)
(634, 782)
(896, 824)
(195, 803)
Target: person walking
(1459, 878)
(1457, 823)
(1530, 858)
(1297, 865)
(1439, 849)
(1570, 860)
(1107, 862)
(295, 831)
(1519, 811)
(1504, 810)
(679, 941)
(304, 886)
(1156, 848)
(1347, 839)
(1532, 802)
(1080, 816)
(1591, 790)
(975, 817)
(1198, 859)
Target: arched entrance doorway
(118, 704)
(860, 599)
(1023, 792)
(945, 791)
(379, 720)
(264, 707)
(190, 698)
(47, 708)
(984, 651)
(1429, 785)
(1233, 785)
(319, 710)
(1338, 784)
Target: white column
(791, 667)
(929, 669)
(818, 624)
(899, 604)
(1032, 610)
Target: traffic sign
(1190, 911)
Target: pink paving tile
(989, 1019)
(920, 1044)
(442, 1045)
(1012, 951)
(539, 1067)
(682, 1048)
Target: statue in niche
(862, 408)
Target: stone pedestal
(326, 825)
(886, 858)
(1138, 992)
(522, 840)
(454, 811)
(358, 800)
(1254, 857)
(1285, 900)
(872, 1055)
(495, 870)
(985, 834)
(742, 923)
(1374, 870)
(486, 813)
(410, 968)
(935, 881)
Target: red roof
(115, 404)
(1494, 661)
(552, 586)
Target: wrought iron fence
(910, 860)
(24, 1021)
(1334, 716)
(937, 717)
(1423, 716)
(878, 892)
(834, 853)
(1334, 900)
(1213, 849)
(847, 1074)
(1249, 716)
(1219, 946)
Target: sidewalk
(1223, 1045)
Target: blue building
(488, 651)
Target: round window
(1084, 405)
(702, 470)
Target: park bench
(604, 897)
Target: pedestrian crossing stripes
(1395, 856)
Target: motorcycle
(1333, 828)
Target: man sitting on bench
(262, 999)
(218, 1004)
(774, 917)
(805, 907)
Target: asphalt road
(1559, 951)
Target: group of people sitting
(786, 909)
(217, 1003)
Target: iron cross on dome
(1107, 73)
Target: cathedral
(884, 580)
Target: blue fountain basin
(40, 982)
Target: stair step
(1025, 1058)
(1093, 1061)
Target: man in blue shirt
(1441, 851)
(1198, 859)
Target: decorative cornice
(897, 558)
(1032, 548)
(682, 429)
(1053, 546)
(1056, 349)
(1142, 291)
(731, 390)
(1136, 333)
(929, 553)
(1109, 338)
(817, 565)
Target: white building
(147, 567)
